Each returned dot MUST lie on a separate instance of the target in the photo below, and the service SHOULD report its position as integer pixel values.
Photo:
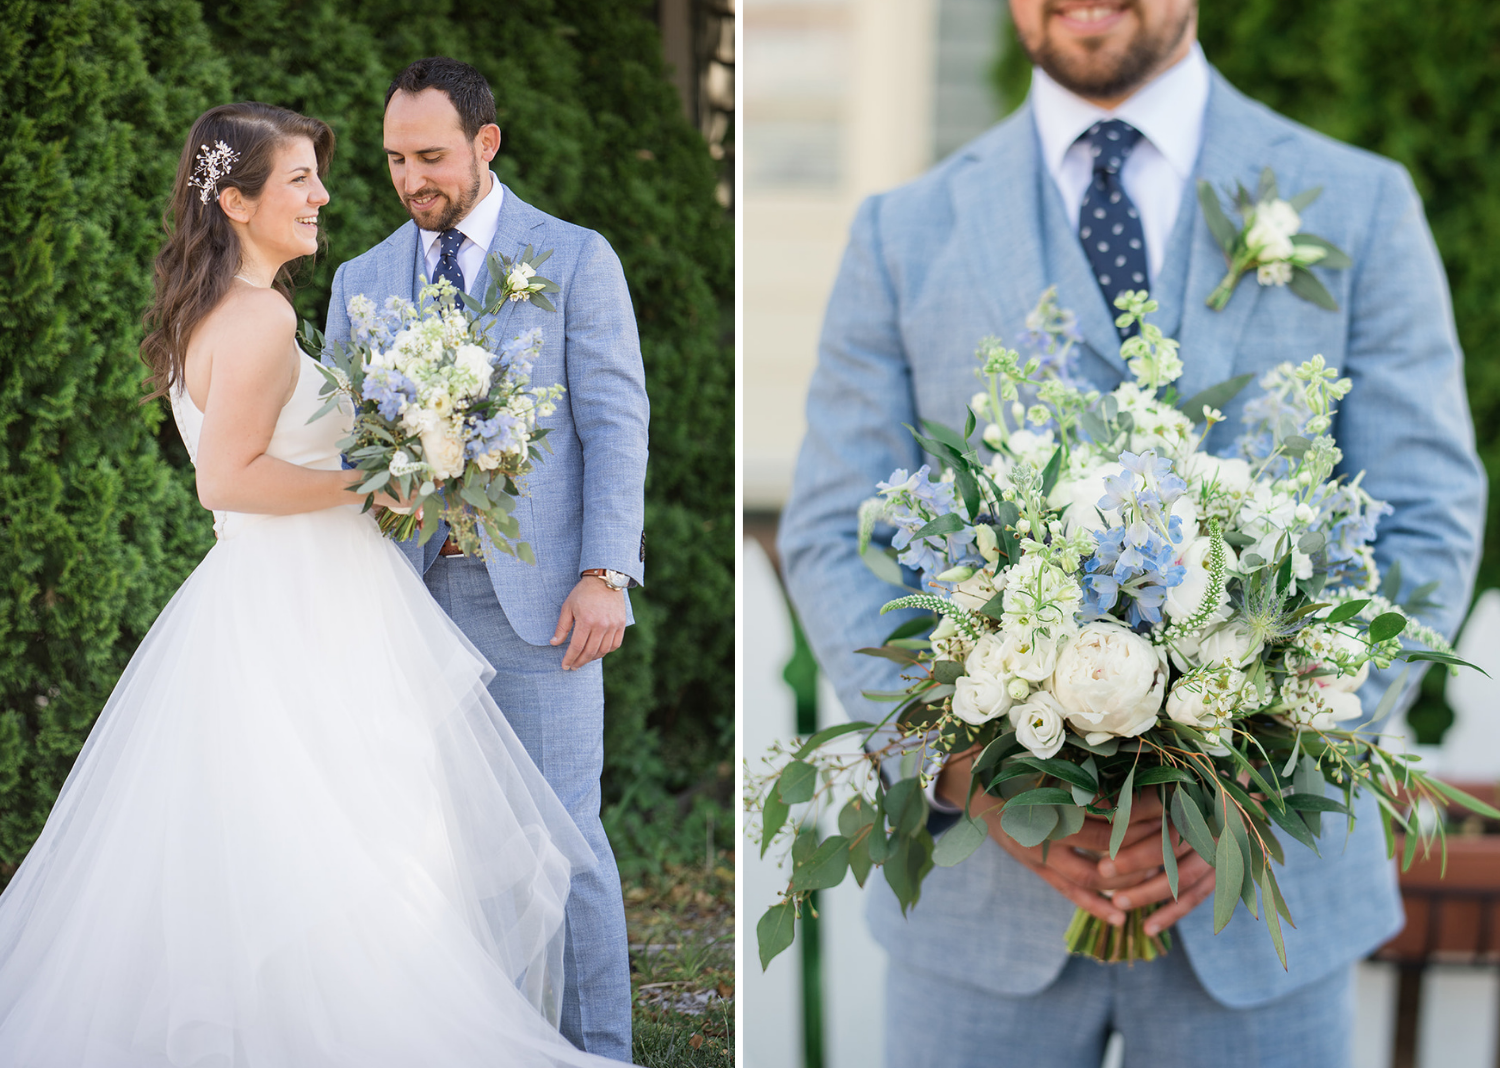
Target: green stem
(1218, 300)
(1090, 936)
(396, 526)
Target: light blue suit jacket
(584, 504)
(964, 252)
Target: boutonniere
(1270, 242)
(516, 279)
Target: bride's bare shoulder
(249, 335)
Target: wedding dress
(300, 834)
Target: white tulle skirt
(301, 834)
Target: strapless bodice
(295, 440)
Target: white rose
(1039, 724)
(980, 698)
(1271, 230)
(443, 449)
(520, 277)
(975, 591)
(1185, 598)
(1228, 643)
(1110, 681)
(476, 361)
(1228, 474)
(1024, 658)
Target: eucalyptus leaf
(1347, 610)
(825, 868)
(1224, 231)
(1306, 285)
(1229, 875)
(774, 931)
(796, 782)
(1029, 824)
(959, 841)
(1120, 821)
(1386, 626)
(773, 817)
(1187, 817)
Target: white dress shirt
(1168, 111)
(478, 228)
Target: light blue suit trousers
(963, 253)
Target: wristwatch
(615, 580)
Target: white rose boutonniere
(517, 279)
(1270, 242)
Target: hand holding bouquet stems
(1147, 651)
(445, 418)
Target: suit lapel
(515, 229)
(996, 197)
(1238, 140)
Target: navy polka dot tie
(448, 242)
(1108, 224)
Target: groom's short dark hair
(466, 88)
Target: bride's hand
(391, 500)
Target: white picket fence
(1458, 1018)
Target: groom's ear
(487, 142)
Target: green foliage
(103, 524)
(1412, 81)
(100, 525)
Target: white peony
(1228, 643)
(1110, 681)
(1039, 724)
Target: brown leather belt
(450, 548)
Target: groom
(544, 628)
(1092, 186)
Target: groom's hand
(596, 616)
(1075, 875)
(1195, 876)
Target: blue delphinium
(516, 353)
(916, 500)
(1136, 559)
(503, 431)
(390, 389)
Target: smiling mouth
(1091, 16)
(423, 201)
(308, 220)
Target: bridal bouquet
(1118, 610)
(441, 412)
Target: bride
(300, 833)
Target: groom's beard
(453, 211)
(1105, 77)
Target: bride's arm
(254, 368)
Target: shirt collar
(1168, 111)
(480, 224)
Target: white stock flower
(1039, 724)
(1110, 681)
(1278, 273)
(1039, 594)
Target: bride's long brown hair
(198, 260)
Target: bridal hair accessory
(211, 165)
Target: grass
(682, 927)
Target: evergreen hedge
(1419, 83)
(102, 522)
